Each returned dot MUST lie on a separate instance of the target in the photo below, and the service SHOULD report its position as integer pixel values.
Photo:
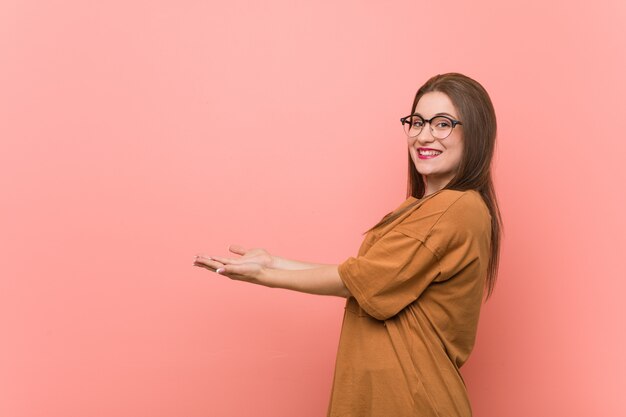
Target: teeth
(429, 153)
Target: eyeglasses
(440, 126)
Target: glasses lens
(441, 126)
(413, 125)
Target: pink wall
(137, 134)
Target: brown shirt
(417, 289)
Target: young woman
(415, 289)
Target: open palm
(256, 255)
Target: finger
(238, 249)
(231, 274)
(205, 267)
(244, 270)
(226, 261)
(203, 258)
(208, 262)
(232, 270)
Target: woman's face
(437, 160)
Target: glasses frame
(454, 122)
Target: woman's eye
(441, 123)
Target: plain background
(135, 134)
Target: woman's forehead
(435, 102)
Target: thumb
(238, 249)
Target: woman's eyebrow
(436, 114)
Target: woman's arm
(291, 264)
(322, 280)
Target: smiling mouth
(428, 153)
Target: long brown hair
(474, 173)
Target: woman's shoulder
(455, 200)
(447, 197)
(447, 207)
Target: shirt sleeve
(391, 274)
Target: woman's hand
(256, 255)
(240, 271)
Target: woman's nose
(425, 136)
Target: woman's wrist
(275, 262)
(265, 277)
